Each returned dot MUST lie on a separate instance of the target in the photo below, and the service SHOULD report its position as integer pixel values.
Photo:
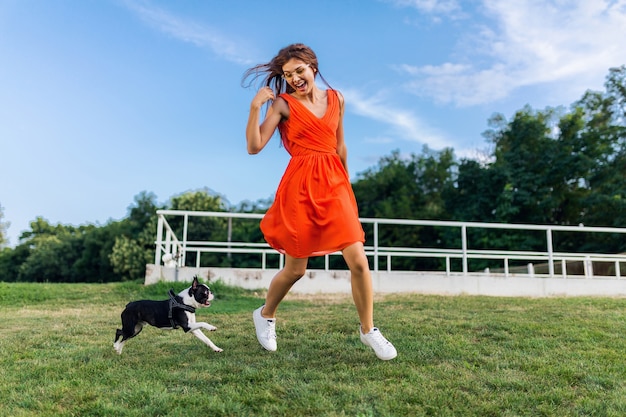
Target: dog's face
(201, 293)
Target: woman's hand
(262, 96)
(257, 133)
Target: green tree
(524, 152)
(557, 167)
(472, 197)
(410, 187)
(58, 253)
(4, 241)
(604, 136)
(201, 228)
(133, 245)
(50, 262)
(406, 187)
(129, 258)
(93, 246)
(10, 261)
(388, 190)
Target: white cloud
(447, 7)
(402, 122)
(189, 31)
(380, 140)
(529, 43)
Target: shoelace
(271, 329)
(378, 339)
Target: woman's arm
(257, 133)
(342, 149)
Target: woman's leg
(294, 269)
(361, 280)
(263, 317)
(363, 295)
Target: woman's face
(299, 75)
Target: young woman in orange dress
(314, 211)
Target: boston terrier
(178, 311)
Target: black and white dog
(178, 311)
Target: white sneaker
(382, 347)
(265, 330)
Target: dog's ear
(194, 286)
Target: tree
(93, 245)
(524, 156)
(129, 258)
(604, 137)
(133, 245)
(472, 197)
(142, 214)
(409, 188)
(4, 241)
(50, 262)
(58, 253)
(10, 261)
(388, 190)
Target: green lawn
(457, 356)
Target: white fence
(172, 250)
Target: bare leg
(294, 269)
(361, 280)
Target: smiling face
(299, 75)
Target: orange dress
(314, 212)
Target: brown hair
(271, 73)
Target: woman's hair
(271, 73)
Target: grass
(458, 356)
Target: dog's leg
(118, 346)
(202, 325)
(198, 333)
(119, 341)
(116, 342)
(125, 334)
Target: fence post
(157, 254)
(588, 267)
(230, 236)
(550, 252)
(185, 226)
(375, 246)
(168, 241)
(464, 247)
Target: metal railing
(171, 250)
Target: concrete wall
(316, 281)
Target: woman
(314, 212)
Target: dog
(178, 311)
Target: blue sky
(103, 99)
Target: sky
(101, 100)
